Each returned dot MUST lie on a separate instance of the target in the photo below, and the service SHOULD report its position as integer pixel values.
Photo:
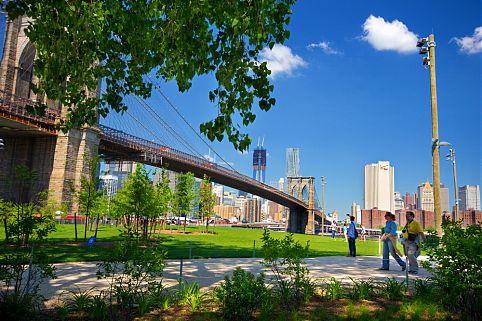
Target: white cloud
(471, 45)
(281, 60)
(325, 46)
(384, 35)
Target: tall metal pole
(452, 156)
(435, 149)
(322, 205)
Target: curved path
(209, 272)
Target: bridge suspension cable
(169, 102)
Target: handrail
(15, 105)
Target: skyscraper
(469, 196)
(379, 186)
(121, 169)
(292, 162)
(444, 199)
(259, 163)
(407, 200)
(425, 197)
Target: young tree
(163, 196)
(207, 200)
(185, 195)
(89, 194)
(80, 42)
(5, 214)
(137, 197)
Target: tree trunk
(5, 227)
(85, 227)
(96, 225)
(75, 225)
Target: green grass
(225, 243)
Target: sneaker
(413, 272)
(383, 269)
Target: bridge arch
(25, 71)
(302, 188)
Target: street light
(451, 156)
(428, 45)
(323, 205)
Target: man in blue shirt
(352, 237)
(390, 229)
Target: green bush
(284, 257)
(423, 289)
(363, 290)
(190, 294)
(456, 264)
(393, 290)
(333, 290)
(241, 294)
(134, 268)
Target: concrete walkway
(209, 272)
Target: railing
(16, 106)
(144, 145)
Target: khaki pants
(413, 251)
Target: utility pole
(454, 166)
(430, 61)
(322, 205)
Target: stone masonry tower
(58, 159)
(302, 188)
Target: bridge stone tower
(302, 188)
(58, 159)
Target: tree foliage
(207, 200)
(185, 195)
(163, 196)
(80, 42)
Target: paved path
(209, 272)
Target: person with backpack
(352, 235)
(413, 236)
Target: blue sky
(345, 102)
(351, 90)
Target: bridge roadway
(117, 144)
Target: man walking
(352, 235)
(413, 235)
(390, 229)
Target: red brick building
(375, 218)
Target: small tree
(89, 194)
(163, 196)
(207, 200)
(5, 213)
(185, 195)
(137, 197)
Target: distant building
(379, 186)
(444, 199)
(469, 196)
(425, 200)
(407, 201)
(109, 184)
(292, 162)
(399, 204)
(252, 211)
(227, 212)
(218, 190)
(415, 200)
(259, 164)
(170, 174)
(121, 169)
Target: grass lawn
(226, 242)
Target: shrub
(363, 290)
(190, 294)
(333, 290)
(423, 289)
(284, 257)
(134, 268)
(392, 289)
(456, 265)
(241, 294)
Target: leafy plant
(133, 268)
(392, 289)
(456, 265)
(423, 289)
(363, 289)
(79, 300)
(241, 294)
(333, 289)
(284, 257)
(190, 294)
